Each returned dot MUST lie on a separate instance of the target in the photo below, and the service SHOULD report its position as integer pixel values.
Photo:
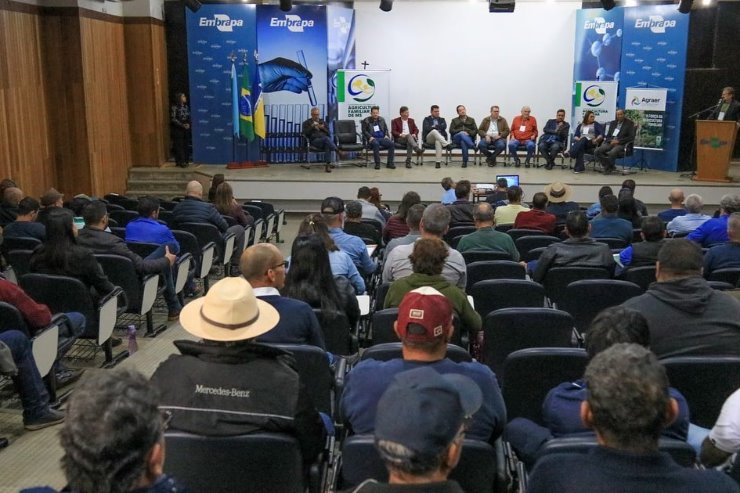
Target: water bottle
(133, 346)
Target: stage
(297, 189)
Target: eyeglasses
(284, 263)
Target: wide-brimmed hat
(229, 312)
(558, 192)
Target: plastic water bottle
(133, 346)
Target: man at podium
(728, 109)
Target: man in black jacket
(193, 209)
(95, 237)
(228, 385)
(728, 108)
(620, 133)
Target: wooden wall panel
(25, 143)
(106, 103)
(146, 69)
(65, 94)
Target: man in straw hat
(559, 203)
(228, 385)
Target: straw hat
(558, 192)
(229, 312)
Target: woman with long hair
(628, 210)
(217, 179)
(180, 125)
(340, 262)
(396, 225)
(374, 199)
(588, 135)
(310, 279)
(227, 205)
(61, 255)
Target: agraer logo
(361, 88)
(656, 23)
(222, 22)
(594, 95)
(599, 25)
(294, 23)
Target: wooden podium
(715, 141)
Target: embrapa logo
(294, 23)
(656, 23)
(222, 22)
(598, 24)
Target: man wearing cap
(333, 210)
(418, 447)
(50, 200)
(435, 222)
(226, 384)
(424, 326)
(264, 267)
(628, 404)
(558, 196)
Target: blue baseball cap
(423, 409)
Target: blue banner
(215, 34)
(655, 40)
(598, 45)
(293, 56)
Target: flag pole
(234, 106)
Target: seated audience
(677, 209)
(113, 439)
(217, 179)
(34, 398)
(461, 210)
(193, 209)
(595, 208)
(630, 185)
(726, 255)
(310, 279)
(628, 404)
(485, 236)
(561, 408)
(61, 255)
(333, 210)
(428, 259)
(9, 206)
(579, 250)
(500, 193)
(434, 224)
(559, 203)
(628, 210)
(506, 214)
(425, 327)
(413, 218)
(685, 315)
(448, 196)
(228, 319)
(340, 261)
(374, 199)
(691, 220)
(25, 224)
(227, 205)
(95, 237)
(50, 201)
(723, 440)
(419, 448)
(369, 210)
(715, 230)
(645, 252)
(354, 226)
(537, 217)
(396, 226)
(608, 224)
(264, 267)
(147, 229)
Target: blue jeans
(465, 142)
(514, 145)
(34, 397)
(325, 143)
(383, 143)
(578, 149)
(498, 147)
(170, 297)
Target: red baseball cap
(424, 308)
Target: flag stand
(246, 115)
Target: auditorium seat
(495, 294)
(206, 234)
(339, 336)
(642, 276)
(485, 270)
(471, 256)
(517, 233)
(587, 298)
(202, 256)
(392, 350)
(348, 139)
(557, 279)
(525, 244)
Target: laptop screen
(511, 180)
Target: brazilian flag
(246, 124)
